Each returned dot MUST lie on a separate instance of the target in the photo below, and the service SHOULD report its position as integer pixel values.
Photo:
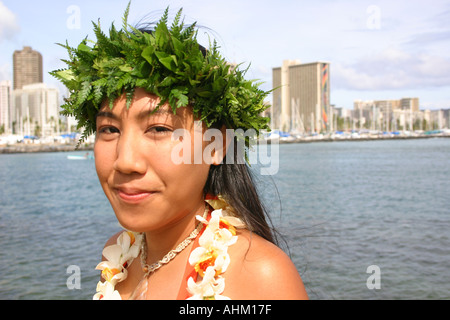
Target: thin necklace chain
(148, 269)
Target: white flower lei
(210, 260)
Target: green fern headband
(167, 62)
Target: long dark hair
(235, 183)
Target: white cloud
(393, 69)
(8, 23)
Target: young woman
(194, 229)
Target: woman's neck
(161, 241)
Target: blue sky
(377, 49)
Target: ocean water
(340, 206)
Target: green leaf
(178, 46)
(180, 95)
(168, 61)
(147, 54)
(64, 75)
(125, 68)
(83, 47)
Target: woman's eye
(159, 130)
(109, 130)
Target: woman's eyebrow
(157, 111)
(141, 115)
(107, 114)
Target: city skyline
(377, 49)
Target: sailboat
(86, 156)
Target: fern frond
(176, 26)
(165, 18)
(125, 17)
(84, 93)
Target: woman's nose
(129, 157)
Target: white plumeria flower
(223, 238)
(211, 258)
(131, 245)
(234, 221)
(227, 211)
(214, 243)
(221, 213)
(222, 262)
(114, 268)
(105, 291)
(208, 288)
(214, 221)
(217, 234)
(118, 256)
(196, 254)
(112, 272)
(201, 256)
(113, 254)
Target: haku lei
(166, 61)
(210, 260)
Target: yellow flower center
(208, 259)
(108, 273)
(224, 224)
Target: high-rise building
(5, 102)
(301, 99)
(410, 104)
(27, 67)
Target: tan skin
(150, 193)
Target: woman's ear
(217, 149)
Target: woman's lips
(133, 196)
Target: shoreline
(41, 148)
(355, 139)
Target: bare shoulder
(261, 270)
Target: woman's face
(134, 161)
